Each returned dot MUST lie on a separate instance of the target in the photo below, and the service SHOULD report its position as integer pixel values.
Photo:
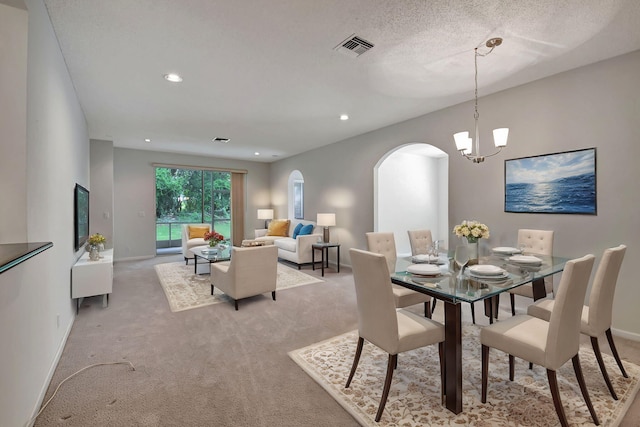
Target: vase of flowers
(213, 237)
(472, 231)
(96, 244)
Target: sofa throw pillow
(296, 230)
(278, 227)
(196, 231)
(306, 230)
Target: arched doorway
(295, 196)
(411, 191)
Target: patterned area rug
(414, 398)
(186, 290)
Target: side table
(324, 249)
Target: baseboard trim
(626, 334)
(52, 370)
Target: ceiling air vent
(354, 46)
(222, 140)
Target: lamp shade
(463, 142)
(326, 219)
(500, 137)
(265, 213)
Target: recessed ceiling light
(147, 140)
(256, 154)
(344, 117)
(173, 78)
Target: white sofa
(191, 243)
(298, 250)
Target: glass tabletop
(450, 285)
(219, 253)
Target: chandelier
(464, 143)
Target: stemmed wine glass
(461, 257)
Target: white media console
(89, 278)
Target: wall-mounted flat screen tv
(80, 216)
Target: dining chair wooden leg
(512, 363)
(553, 385)
(387, 384)
(583, 388)
(513, 304)
(433, 306)
(273, 295)
(603, 369)
(485, 372)
(356, 359)
(615, 352)
(427, 309)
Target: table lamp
(267, 215)
(326, 220)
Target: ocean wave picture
(552, 183)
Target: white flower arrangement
(472, 231)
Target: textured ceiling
(265, 73)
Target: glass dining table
(454, 288)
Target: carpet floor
(186, 290)
(215, 366)
(414, 398)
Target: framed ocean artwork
(558, 183)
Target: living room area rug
(414, 398)
(186, 290)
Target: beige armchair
(192, 236)
(251, 271)
(596, 317)
(394, 331)
(549, 344)
(535, 242)
(385, 244)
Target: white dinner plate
(498, 278)
(506, 250)
(485, 270)
(525, 259)
(424, 269)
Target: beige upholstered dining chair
(536, 242)
(394, 331)
(251, 271)
(420, 241)
(384, 243)
(550, 344)
(596, 317)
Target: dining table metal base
(453, 356)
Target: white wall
(593, 106)
(36, 311)
(134, 196)
(13, 124)
(101, 195)
(408, 194)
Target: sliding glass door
(186, 196)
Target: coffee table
(210, 254)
